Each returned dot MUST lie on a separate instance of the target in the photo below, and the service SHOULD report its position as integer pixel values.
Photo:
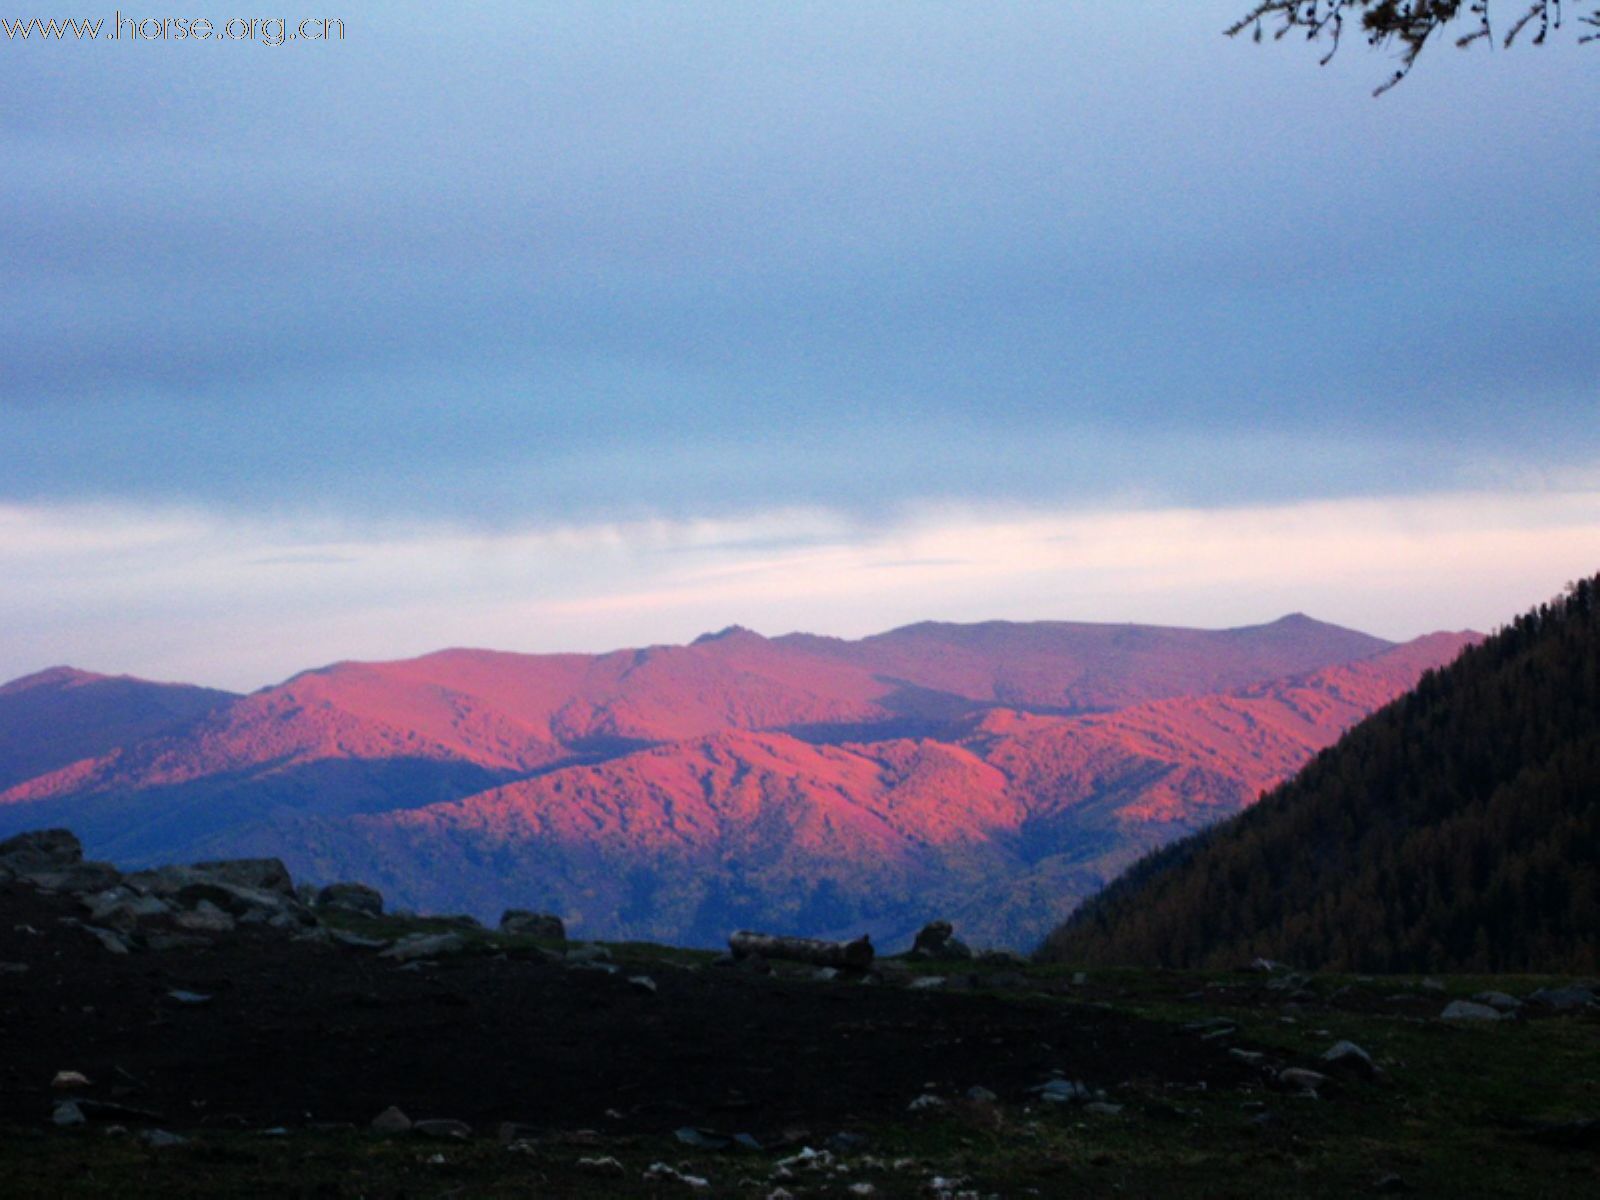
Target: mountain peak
(61, 676)
(730, 631)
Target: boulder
(1466, 1010)
(1350, 1059)
(261, 874)
(41, 850)
(391, 1120)
(533, 924)
(351, 897)
(1571, 998)
(1499, 1000)
(76, 878)
(936, 940)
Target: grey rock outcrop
(351, 897)
(533, 924)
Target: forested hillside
(1456, 829)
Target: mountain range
(994, 774)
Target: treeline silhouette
(1457, 829)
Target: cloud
(243, 601)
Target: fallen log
(856, 955)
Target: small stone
(1062, 1091)
(982, 1095)
(391, 1120)
(442, 1128)
(604, 1165)
(160, 1139)
(1466, 1010)
(642, 983)
(588, 952)
(1304, 1081)
(1347, 1056)
(67, 1113)
(927, 983)
(660, 1171)
(70, 1079)
(1252, 1057)
(179, 996)
(924, 1102)
(424, 945)
(110, 939)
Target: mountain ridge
(729, 775)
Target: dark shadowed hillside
(1456, 829)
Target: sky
(576, 325)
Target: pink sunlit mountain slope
(993, 773)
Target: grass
(1451, 1115)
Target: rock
(1432, 985)
(110, 939)
(1466, 1010)
(1101, 1108)
(927, 983)
(390, 1120)
(123, 907)
(1253, 1057)
(854, 955)
(76, 878)
(424, 945)
(457, 921)
(1264, 966)
(179, 996)
(160, 1139)
(205, 917)
(935, 940)
(67, 1114)
(351, 897)
(1352, 1059)
(1062, 1091)
(588, 952)
(604, 1165)
(1005, 981)
(982, 1095)
(1499, 1001)
(345, 938)
(924, 1102)
(1301, 1080)
(42, 850)
(442, 1128)
(259, 874)
(642, 983)
(825, 974)
(533, 924)
(247, 905)
(661, 1172)
(69, 1079)
(1564, 999)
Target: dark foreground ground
(575, 1081)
